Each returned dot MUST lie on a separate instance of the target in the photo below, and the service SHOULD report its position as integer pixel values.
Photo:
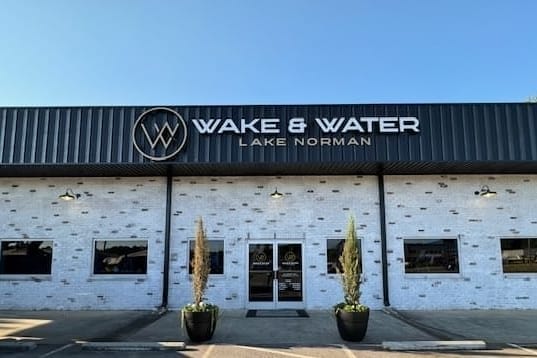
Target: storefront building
(99, 204)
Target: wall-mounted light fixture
(69, 195)
(276, 194)
(485, 192)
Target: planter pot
(200, 326)
(352, 326)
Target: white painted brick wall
(109, 208)
(238, 208)
(445, 206)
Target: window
(431, 256)
(216, 255)
(334, 249)
(26, 258)
(519, 255)
(120, 257)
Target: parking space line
(56, 350)
(346, 349)
(527, 350)
(273, 351)
(209, 351)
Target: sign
(161, 133)
(290, 281)
(298, 125)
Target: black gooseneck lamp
(69, 195)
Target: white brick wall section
(240, 209)
(445, 206)
(109, 208)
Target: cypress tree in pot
(200, 318)
(352, 317)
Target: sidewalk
(492, 326)
(319, 329)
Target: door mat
(277, 313)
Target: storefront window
(519, 255)
(26, 258)
(121, 257)
(334, 249)
(431, 256)
(216, 255)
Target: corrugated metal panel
(456, 137)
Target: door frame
(275, 304)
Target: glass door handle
(276, 275)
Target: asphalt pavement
(55, 332)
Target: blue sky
(133, 52)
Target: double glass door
(275, 277)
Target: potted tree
(352, 317)
(199, 318)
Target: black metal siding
(456, 137)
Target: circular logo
(159, 133)
(289, 256)
(261, 257)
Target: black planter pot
(352, 326)
(200, 326)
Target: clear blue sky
(133, 52)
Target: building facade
(99, 205)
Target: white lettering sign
(228, 125)
(368, 124)
(298, 125)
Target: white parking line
(56, 350)
(346, 349)
(277, 352)
(527, 350)
(209, 351)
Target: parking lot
(507, 333)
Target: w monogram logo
(159, 133)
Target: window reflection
(26, 257)
(431, 256)
(120, 257)
(519, 255)
(216, 256)
(260, 257)
(261, 274)
(334, 249)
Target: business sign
(161, 133)
(298, 125)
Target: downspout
(384, 254)
(167, 230)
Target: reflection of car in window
(111, 264)
(433, 261)
(513, 256)
(120, 259)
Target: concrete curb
(17, 346)
(433, 345)
(133, 346)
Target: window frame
(433, 275)
(216, 275)
(360, 252)
(28, 276)
(105, 276)
(513, 274)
